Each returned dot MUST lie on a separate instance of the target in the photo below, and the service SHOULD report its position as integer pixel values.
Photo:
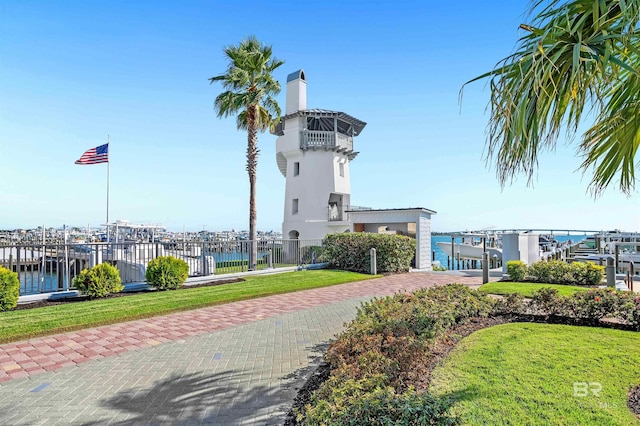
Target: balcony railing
(313, 139)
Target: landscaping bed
(440, 351)
(381, 366)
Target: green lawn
(541, 374)
(244, 267)
(19, 325)
(527, 289)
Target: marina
(463, 250)
(50, 267)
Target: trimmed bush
(99, 281)
(511, 304)
(592, 305)
(517, 270)
(352, 251)
(167, 273)
(357, 402)
(9, 289)
(558, 272)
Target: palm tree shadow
(194, 399)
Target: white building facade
(313, 152)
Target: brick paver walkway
(237, 363)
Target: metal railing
(325, 139)
(47, 268)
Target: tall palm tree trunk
(252, 167)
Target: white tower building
(313, 152)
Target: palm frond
(571, 60)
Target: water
(441, 256)
(35, 283)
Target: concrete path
(239, 363)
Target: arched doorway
(292, 248)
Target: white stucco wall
(398, 219)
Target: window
(294, 206)
(296, 168)
(342, 169)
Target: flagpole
(108, 163)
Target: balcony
(335, 141)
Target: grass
(244, 267)
(23, 324)
(527, 289)
(516, 374)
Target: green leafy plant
(99, 281)
(352, 251)
(517, 270)
(9, 289)
(511, 304)
(558, 272)
(167, 273)
(357, 402)
(385, 349)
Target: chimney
(296, 92)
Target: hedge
(351, 251)
(556, 272)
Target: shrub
(517, 270)
(99, 281)
(558, 272)
(9, 289)
(630, 309)
(586, 273)
(356, 403)
(511, 304)
(547, 301)
(167, 273)
(351, 251)
(390, 336)
(592, 305)
(595, 304)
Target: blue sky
(72, 72)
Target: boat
(611, 244)
(472, 246)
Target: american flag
(99, 154)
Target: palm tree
(250, 88)
(578, 58)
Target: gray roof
(296, 75)
(388, 210)
(358, 125)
